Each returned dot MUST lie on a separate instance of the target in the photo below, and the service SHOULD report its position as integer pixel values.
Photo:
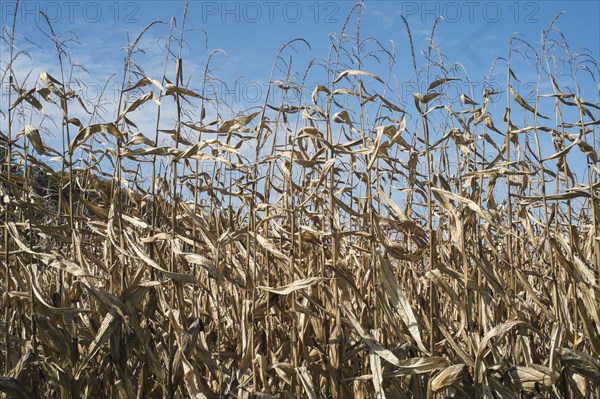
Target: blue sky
(250, 33)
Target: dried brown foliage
(339, 257)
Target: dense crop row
(345, 245)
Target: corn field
(335, 243)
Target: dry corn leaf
(447, 377)
(33, 135)
(295, 286)
(351, 72)
(89, 131)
